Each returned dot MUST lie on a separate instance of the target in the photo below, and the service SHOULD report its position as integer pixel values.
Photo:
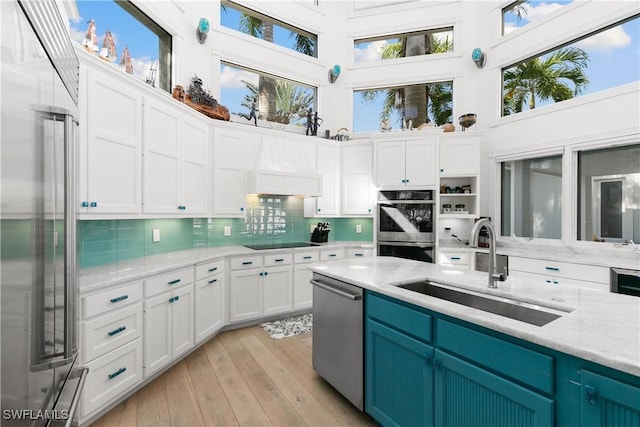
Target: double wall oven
(406, 224)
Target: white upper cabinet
(328, 167)
(175, 160)
(358, 191)
(402, 164)
(110, 162)
(459, 155)
(229, 194)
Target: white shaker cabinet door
(110, 162)
(194, 152)
(358, 191)
(161, 158)
(390, 165)
(208, 304)
(277, 290)
(228, 183)
(157, 333)
(182, 318)
(245, 294)
(420, 163)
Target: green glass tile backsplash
(268, 219)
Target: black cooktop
(279, 245)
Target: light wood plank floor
(239, 378)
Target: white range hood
(283, 165)
(283, 183)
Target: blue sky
(614, 54)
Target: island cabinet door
(398, 377)
(467, 395)
(608, 402)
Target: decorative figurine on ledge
(90, 41)
(252, 114)
(201, 100)
(313, 122)
(108, 51)
(125, 61)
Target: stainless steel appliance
(409, 250)
(625, 281)
(37, 259)
(406, 216)
(406, 224)
(338, 336)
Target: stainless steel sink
(524, 312)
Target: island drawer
(206, 269)
(402, 317)
(589, 273)
(527, 366)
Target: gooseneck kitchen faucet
(494, 276)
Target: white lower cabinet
(548, 272)
(110, 333)
(263, 291)
(111, 375)
(209, 299)
(168, 327)
(454, 259)
(302, 289)
(359, 252)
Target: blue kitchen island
(432, 362)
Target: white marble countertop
(598, 326)
(605, 256)
(95, 278)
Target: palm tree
(267, 85)
(423, 102)
(291, 101)
(540, 79)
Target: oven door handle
(353, 297)
(412, 244)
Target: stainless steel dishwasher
(338, 336)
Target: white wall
(476, 24)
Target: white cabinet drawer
(168, 281)
(453, 258)
(100, 303)
(567, 270)
(306, 256)
(250, 261)
(544, 279)
(358, 253)
(327, 255)
(208, 268)
(279, 259)
(105, 333)
(111, 375)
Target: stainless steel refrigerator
(39, 92)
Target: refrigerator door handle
(81, 371)
(70, 126)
